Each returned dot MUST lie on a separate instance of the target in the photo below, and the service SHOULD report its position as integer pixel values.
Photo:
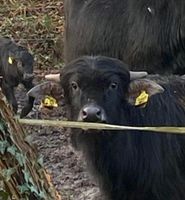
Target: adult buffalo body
(148, 35)
(129, 165)
(16, 66)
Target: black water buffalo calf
(148, 35)
(129, 165)
(16, 66)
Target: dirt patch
(66, 166)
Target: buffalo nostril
(98, 114)
(91, 113)
(84, 114)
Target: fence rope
(101, 126)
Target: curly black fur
(148, 35)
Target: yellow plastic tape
(142, 99)
(10, 60)
(49, 101)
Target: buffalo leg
(30, 101)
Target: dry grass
(38, 25)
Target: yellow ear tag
(142, 99)
(49, 101)
(10, 60)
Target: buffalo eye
(113, 86)
(74, 86)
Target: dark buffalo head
(96, 89)
(24, 61)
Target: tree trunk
(22, 175)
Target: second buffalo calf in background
(16, 66)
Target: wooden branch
(22, 175)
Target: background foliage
(36, 24)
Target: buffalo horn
(53, 77)
(137, 75)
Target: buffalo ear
(141, 90)
(46, 88)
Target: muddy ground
(66, 166)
